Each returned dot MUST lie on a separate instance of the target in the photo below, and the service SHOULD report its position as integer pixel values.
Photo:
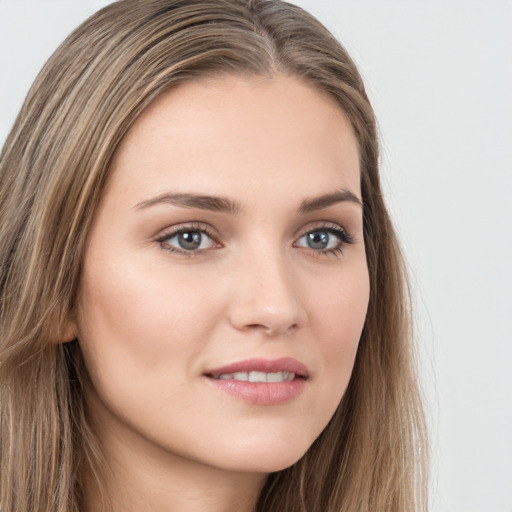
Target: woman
(203, 301)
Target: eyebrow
(199, 201)
(326, 200)
(225, 205)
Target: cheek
(137, 314)
(340, 319)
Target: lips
(261, 381)
(284, 364)
(258, 376)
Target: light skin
(278, 270)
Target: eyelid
(345, 237)
(172, 231)
(326, 225)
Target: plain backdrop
(439, 74)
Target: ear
(69, 330)
(69, 334)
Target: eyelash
(191, 228)
(345, 239)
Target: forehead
(239, 133)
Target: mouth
(261, 381)
(255, 376)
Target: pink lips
(261, 393)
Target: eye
(326, 239)
(187, 240)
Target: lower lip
(261, 393)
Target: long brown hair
(53, 167)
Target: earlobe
(69, 334)
(69, 330)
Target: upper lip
(284, 364)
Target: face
(224, 284)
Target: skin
(150, 321)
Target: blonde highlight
(53, 169)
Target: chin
(267, 458)
(272, 466)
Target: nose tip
(267, 302)
(272, 321)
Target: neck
(176, 490)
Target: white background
(440, 78)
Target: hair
(372, 456)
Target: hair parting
(53, 168)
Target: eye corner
(189, 240)
(325, 239)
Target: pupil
(190, 240)
(318, 240)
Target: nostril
(265, 312)
(273, 330)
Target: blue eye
(326, 239)
(320, 240)
(187, 240)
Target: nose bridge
(266, 296)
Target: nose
(266, 297)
